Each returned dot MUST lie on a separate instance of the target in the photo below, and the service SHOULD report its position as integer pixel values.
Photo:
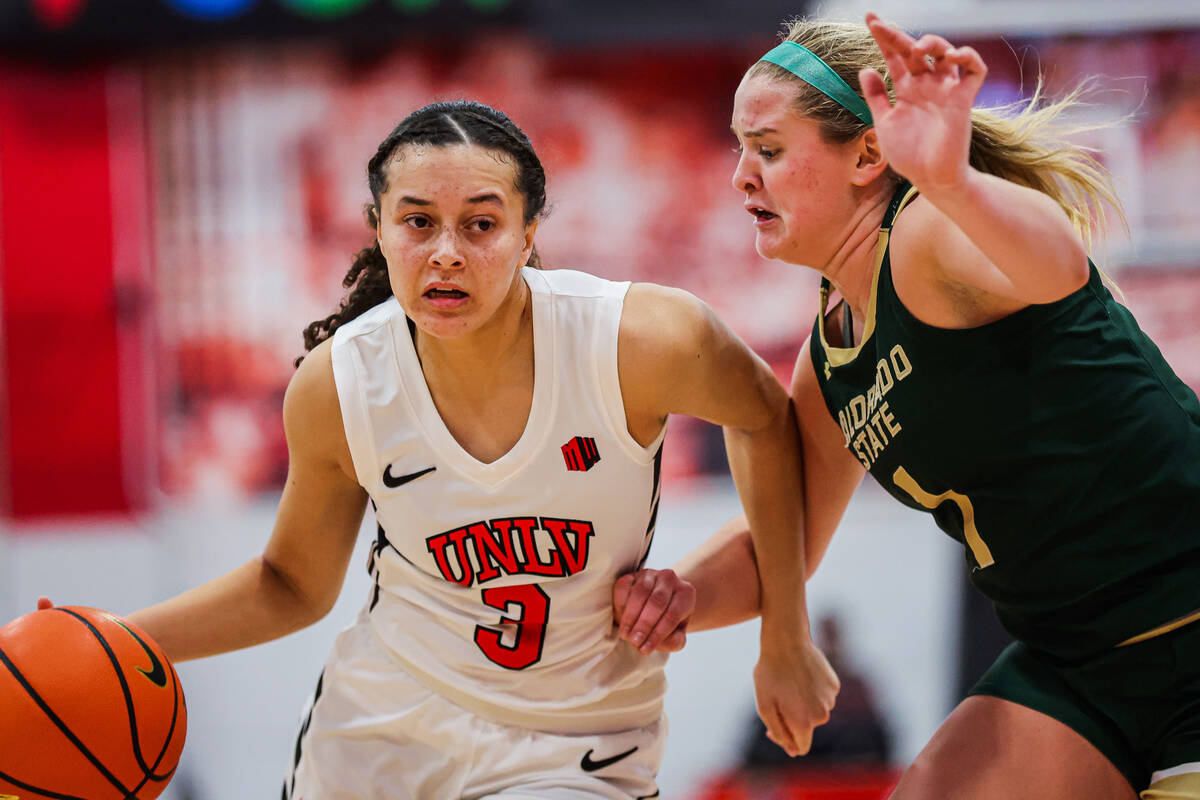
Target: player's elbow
(299, 604)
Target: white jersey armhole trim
(355, 421)
(608, 377)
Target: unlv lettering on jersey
(483, 551)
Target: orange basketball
(92, 708)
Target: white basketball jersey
(493, 582)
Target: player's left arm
(676, 357)
(983, 231)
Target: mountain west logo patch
(580, 453)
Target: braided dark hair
(439, 124)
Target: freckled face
(452, 229)
(797, 185)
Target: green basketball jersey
(1056, 444)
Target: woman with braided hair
(506, 424)
(977, 366)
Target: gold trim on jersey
(1185, 786)
(840, 356)
(979, 548)
(1161, 629)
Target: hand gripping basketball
(93, 709)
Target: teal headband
(808, 67)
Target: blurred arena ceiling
(63, 25)
(71, 27)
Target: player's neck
(851, 270)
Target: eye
(767, 155)
(418, 221)
(483, 225)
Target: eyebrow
(486, 197)
(754, 133)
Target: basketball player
(506, 424)
(977, 366)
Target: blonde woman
(973, 361)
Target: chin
(442, 327)
(768, 248)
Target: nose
(745, 176)
(446, 254)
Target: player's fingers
(933, 45)
(679, 608)
(970, 65)
(934, 48)
(803, 739)
(777, 731)
(890, 40)
(675, 642)
(874, 92)
(642, 585)
(897, 67)
(657, 604)
(43, 603)
(799, 731)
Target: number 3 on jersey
(979, 548)
(533, 608)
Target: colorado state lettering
(483, 551)
(867, 420)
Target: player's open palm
(794, 689)
(926, 134)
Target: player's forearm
(725, 575)
(249, 605)
(1022, 231)
(766, 468)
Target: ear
(871, 162)
(371, 214)
(530, 230)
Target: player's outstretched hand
(926, 134)
(651, 608)
(794, 689)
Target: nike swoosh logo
(157, 675)
(392, 481)
(591, 766)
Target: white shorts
(372, 732)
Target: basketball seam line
(62, 726)
(147, 770)
(22, 785)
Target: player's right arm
(298, 577)
(831, 471)
(724, 569)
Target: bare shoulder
(916, 238)
(312, 415)
(661, 321)
(663, 333)
(941, 276)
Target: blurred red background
(171, 219)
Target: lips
(445, 296)
(442, 290)
(761, 214)
(440, 294)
